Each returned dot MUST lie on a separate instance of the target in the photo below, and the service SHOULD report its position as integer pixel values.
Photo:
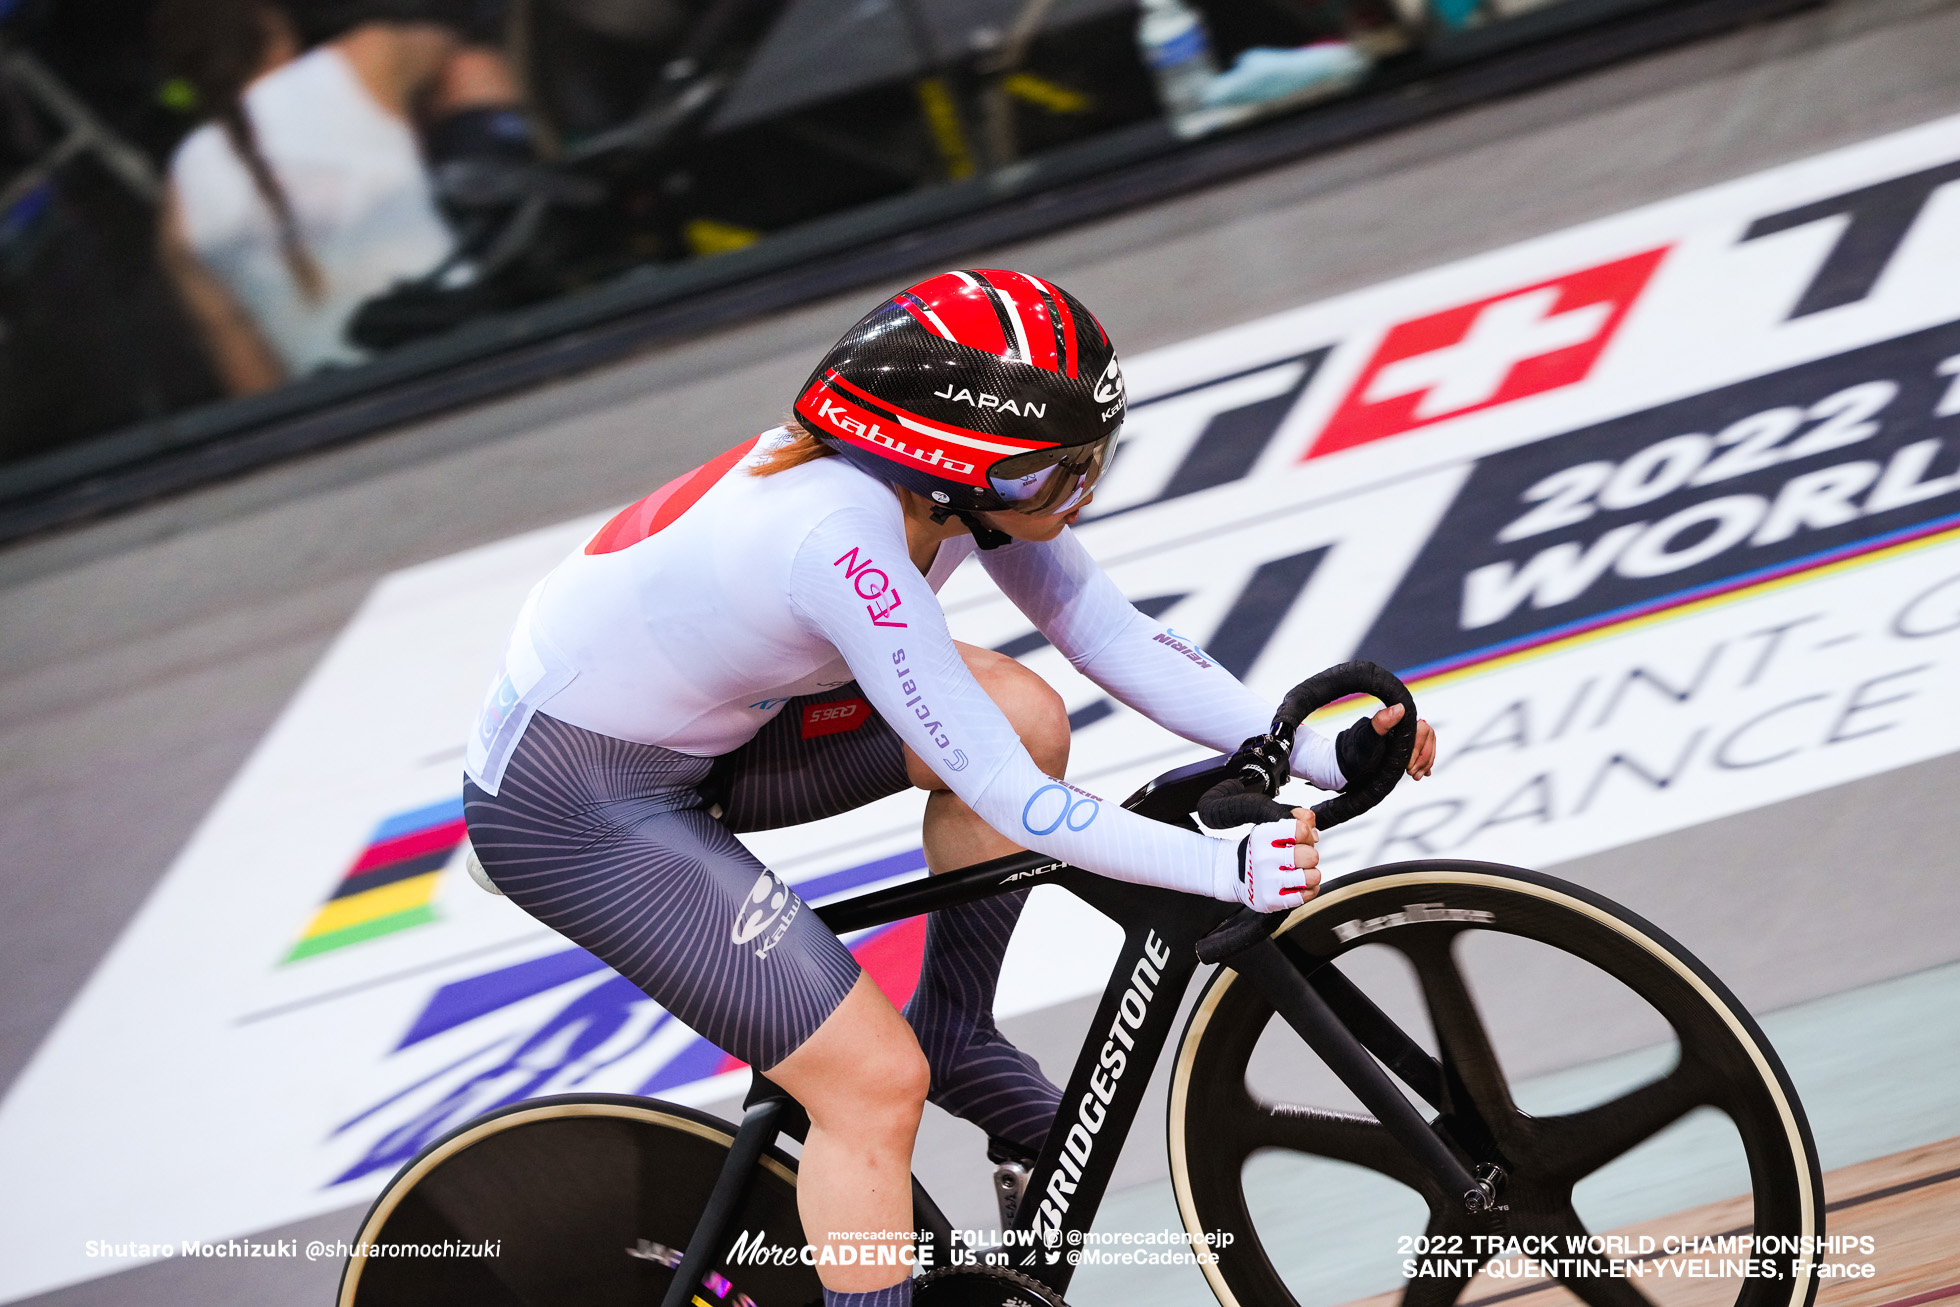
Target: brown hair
(218, 46)
(801, 448)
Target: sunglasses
(1051, 481)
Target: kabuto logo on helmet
(839, 417)
(877, 435)
(1039, 394)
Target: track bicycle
(604, 1199)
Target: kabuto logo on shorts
(769, 903)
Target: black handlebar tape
(1339, 681)
(1238, 933)
(1229, 803)
(1233, 801)
(1323, 688)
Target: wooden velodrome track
(141, 659)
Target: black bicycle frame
(1131, 1029)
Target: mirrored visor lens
(1050, 480)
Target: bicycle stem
(1308, 1013)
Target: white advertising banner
(1659, 517)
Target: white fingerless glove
(1264, 877)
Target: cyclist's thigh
(608, 842)
(823, 754)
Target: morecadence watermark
(1006, 1248)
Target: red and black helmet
(980, 389)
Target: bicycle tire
(1723, 1060)
(589, 1197)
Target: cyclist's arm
(854, 586)
(239, 353)
(1169, 680)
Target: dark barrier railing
(881, 241)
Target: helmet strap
(983, 535)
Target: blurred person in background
(307, 191)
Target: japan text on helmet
(980, 389)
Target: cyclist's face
(1036, 526)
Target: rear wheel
(1451, 963)
(584, 1201)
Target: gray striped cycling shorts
(611, 844)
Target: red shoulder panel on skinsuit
(660, 509)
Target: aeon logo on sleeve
(769, 903)
(873, 584)
(1489, 352)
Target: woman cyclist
(758, 644)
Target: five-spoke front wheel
(1463, 936)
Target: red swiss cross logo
(1490, 352)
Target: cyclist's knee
(906, 1078)
(862, 1070)
(883, 1096)
(1030, 704)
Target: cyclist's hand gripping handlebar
(1259, 768)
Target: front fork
(1303, 1006)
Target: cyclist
(758, 644)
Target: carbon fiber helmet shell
(949, 379)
